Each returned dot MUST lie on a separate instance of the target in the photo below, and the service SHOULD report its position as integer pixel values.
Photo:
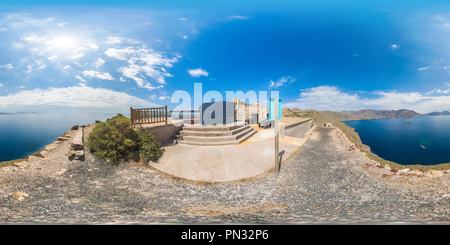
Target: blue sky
(323, 55)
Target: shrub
(115, 139)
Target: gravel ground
(327, 182)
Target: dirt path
(327, 182)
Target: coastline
(414, 167)
(34, 154)
(360, 146)
(353, 137)
(397, 166)
(14, 161)
(394, 165)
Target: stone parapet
(77, 147)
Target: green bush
(115, 139)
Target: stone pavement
(251, 158)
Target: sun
(64, 42)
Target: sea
(24, 134)
(424, 140)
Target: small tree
(115, 139)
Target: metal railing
(148, 115)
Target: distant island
(10, 113)
(436, 113)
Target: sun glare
(64, 42)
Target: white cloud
(99, 63)
(1, 85)
(142, 62)
(164, 97)
(122, 79)
(395, 46)
(153, 96)
(61, 24)
(41, 67)
(282, 81)
(134, 41)
(77, 96)
(182, 18)
(195, 31)
(198, 72)
(93, 46)
(423, 68)
(81, 79)
(438, 91)
(97, 74)
(237, 17)
(18, 45)
(112, 40)
(32, 39)
(51, 58)
(30, 69)
(331, 98)
(66, 67)
(22, 86)
(185, 37)
(77, 56)
(7, 66)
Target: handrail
(148, 115)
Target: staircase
(214, 135)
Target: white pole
(277, 136)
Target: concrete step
(210, 128)
(181, 142)
(230, 141)
(215, 138)
(213, 133)
(247, 135)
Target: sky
(322, 55)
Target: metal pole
(131, 116)
(277, 143)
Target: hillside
(341, 116)
(376, 114)
(320, 118)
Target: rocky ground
(328, 181)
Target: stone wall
(243, 111)
(164, 132)
(297, 129)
